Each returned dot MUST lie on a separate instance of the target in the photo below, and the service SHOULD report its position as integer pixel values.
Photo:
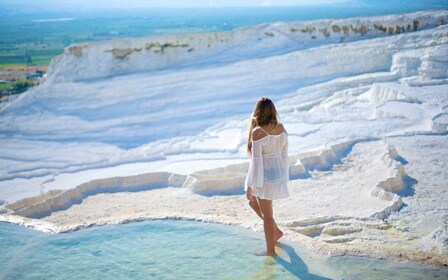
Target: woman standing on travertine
(268, 172)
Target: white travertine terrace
(151, 128)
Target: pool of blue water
(167, 249)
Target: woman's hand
(249, 194)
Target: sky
(212, 3)
(111, 4)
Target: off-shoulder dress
(268, 173)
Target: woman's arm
(255, 174)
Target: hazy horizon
(132, 4)
(13, 7)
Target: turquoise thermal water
(167, 249)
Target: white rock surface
(129, 130)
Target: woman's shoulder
(277, 130)
(282, 128)
(258, 133)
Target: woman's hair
(264, 114)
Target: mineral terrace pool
(167, 249)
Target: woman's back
(269, 167)
(273, 144)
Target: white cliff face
(111, 58)
(168, 116)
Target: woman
(268, 173)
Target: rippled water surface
(177, 250)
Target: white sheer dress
(268, 173)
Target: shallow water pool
(167, 249)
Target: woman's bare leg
(269, 225)
(256, 207)
(253, 203)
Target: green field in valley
(37, 39)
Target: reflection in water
(288, 260)
(267, 271)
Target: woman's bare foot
(264, 253)
(278, 234)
